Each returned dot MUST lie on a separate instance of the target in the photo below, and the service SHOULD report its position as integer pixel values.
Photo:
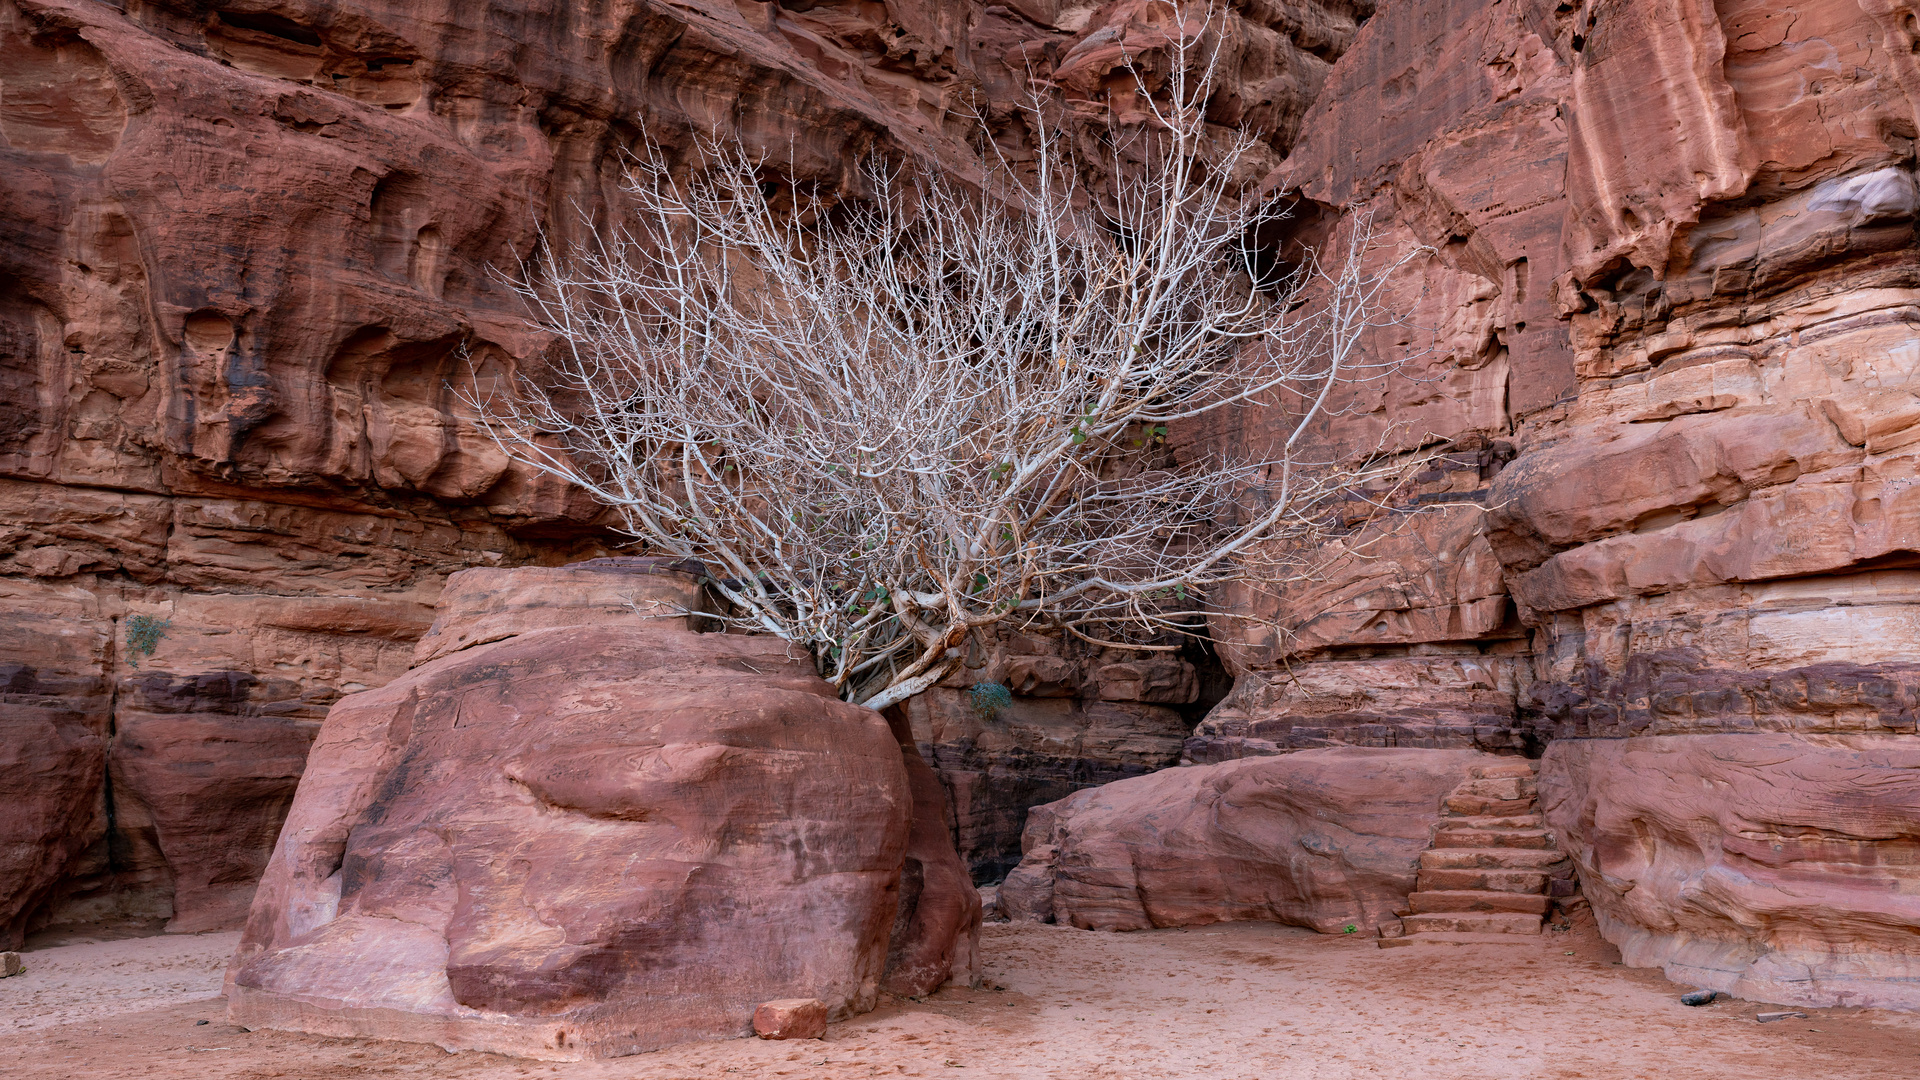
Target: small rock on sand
(791, 1018)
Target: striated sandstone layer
(1773, 867)
(587, 833)
(1327, 838)
(1661, 317)
(1073, 723)
(1664, 329)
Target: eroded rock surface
(252, 262)
(1327, 838)
(936, 928)
(1661, 318)
(53, 750)
(1666, 330)
(592, 840)
(1036, 750)
(1773, 867)
(1461, 702)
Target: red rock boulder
(792, 1018)
(1326, 838)
(1770, 866)
(579, 842)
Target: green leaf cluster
(144, 634)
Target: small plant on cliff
(144, 634)
(988, 698)
(888, 425)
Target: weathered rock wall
(251, 261)
(1078, 718)
(1672, 393)
(1438, 133)
(1777, 867)
(1663, 326)
(1669, 303)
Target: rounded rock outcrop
(582, 841)
(1329, 839)
(1768, 866)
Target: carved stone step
(1478, 805)
(1492, 821)
(1476, 900)
(1493, 838)
(1488, 858)
(1489, 922)
(1514, 881)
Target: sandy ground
(1247, 1000)
(94, 980)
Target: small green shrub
(144, 634)
(988, 698)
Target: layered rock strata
(1074, 720)
(1459, 702)
(1667, 313)
(584, 833)
(1770, 866)
(1660, 319)
(1437, 139)
(253, 271)
(1328, 838)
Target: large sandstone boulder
(1772, 867)
(1326, 838)
(595, 839)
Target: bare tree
(886, 425)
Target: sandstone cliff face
(1669, 303)
(1439, 130)
(1663, 335)
(1667, 310)
(252, 262)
